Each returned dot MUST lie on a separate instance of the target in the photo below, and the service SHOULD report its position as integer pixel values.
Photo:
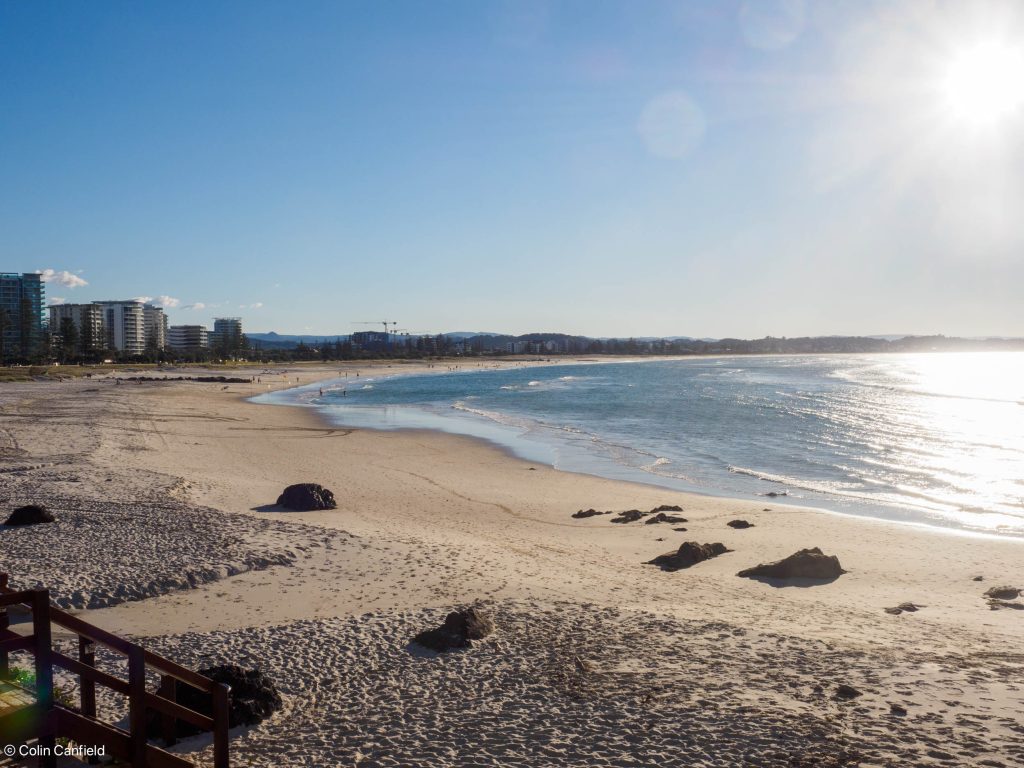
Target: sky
(711, 169)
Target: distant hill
(560, 343)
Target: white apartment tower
(156, 327)
(126, 326)
(188, 337)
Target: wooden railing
(48, 720)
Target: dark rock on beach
(904, 608)
(589, 513)
(806, 564)
(459, 630)
(1002, 593)
(661, 517)
(254, 697)
(32, 514)
(667, 508)
(844, 691)
(630, 516)
(739, 524)
(306, 497)
(995, 605)
(690, 553)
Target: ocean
(932, 439)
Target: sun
(984, 84)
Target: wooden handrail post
(5, 623)
(221, 724)
(168, 724)
(87, 655)
(137, 705)
(44, 674)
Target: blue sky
(607, 168)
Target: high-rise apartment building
(21, 315)
(227, 335)
(126, 325)
(188, 337)
(156, 327)
(89, 321)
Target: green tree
(28, 328)
(68, 339)
(5, 324)
(87, 343)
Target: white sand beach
(166, 530)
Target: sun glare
(984, 84)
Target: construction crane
(388, 324)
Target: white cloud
(63, 277)
(197, 305)
(256, 305)
(143, 299)
(167, 302)
(55, 301)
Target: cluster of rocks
(205, 379)
(30, 514)
(810, 564)
(459, 630)
(656, 515)
(307, 497)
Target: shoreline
(501, 437)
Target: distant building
(188, 337)
(21, 314)
(227, 337)
(156, 327)
(370, 341)
(126, 326)
(89, 320)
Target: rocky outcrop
(739, 524)
(805, 564)
(254, 697)
(689, 554)
(667, 508)
(306, 497)
(459, 630)
(31, 514)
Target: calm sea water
(935, 439)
